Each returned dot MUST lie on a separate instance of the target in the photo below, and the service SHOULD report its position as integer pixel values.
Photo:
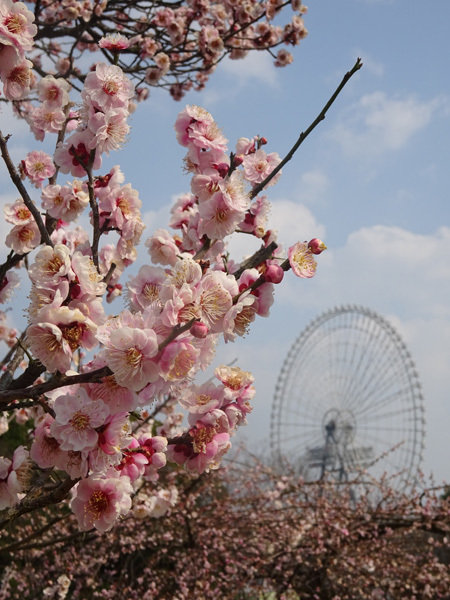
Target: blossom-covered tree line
(90, 395)
(246, 533)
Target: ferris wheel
(348, 401)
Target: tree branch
(258, 188)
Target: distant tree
(241, 534)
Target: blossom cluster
(171, 45)
(17, 30)
(90, 377)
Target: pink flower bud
(274, 274)
(199, 330)
(316, 246)
(238, 160)
(222, 169)
(263, 141)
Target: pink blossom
(177, 360)
(215, 292)
(53, 341)
(16, 25)
(115, 396)
(234, 379)
(240, 315)
(54, 92)
(38, 166)
(264, 293)
(122, 204)
(209, 448)
(110, 130)
(274, 273)
(107, 87)
(259, 165)
(302, 261)
(201, 399)
(144, 289)
(23, 238)
(89, 280)
(51, 265)
(73, 155)
(98, 502)
(194, 125)
(115, 433)
(76, 420)
(133, 462)
(10, 282)
(162, 248)
(14, 477)
(45, 449)
(115, 42)
(48, 119)
(129, 355)
(17, 213)
(199, 330)
(182, 210)
(65, 202)
(283, 58)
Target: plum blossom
(38, 166)
(98, 501)
(23, 238)
(259, 165)
(202, 399)
(65, 202)
(16, 25)
(10, 281)
(54, 92)
(17, 213)
(129, 355)
(14, 476)
(162, 248)
(73, 155)
(194, 125)
(51, 265)
(110, 130)
(302, 261)
(144, 289)
(107, 88)
(76, 420)
(115, 42)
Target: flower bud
(199, 330)
(222, 169)
(316, 246)
(274, 274)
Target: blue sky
(372, 181)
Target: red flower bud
(274, 274)
(199, 330)
(316, 246)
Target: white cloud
(376, 123)
(313, 186)
(257, 66)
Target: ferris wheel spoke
(380, 416)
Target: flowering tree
(245, 533)
(80, 382)
(175, 45)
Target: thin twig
(257, 189)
